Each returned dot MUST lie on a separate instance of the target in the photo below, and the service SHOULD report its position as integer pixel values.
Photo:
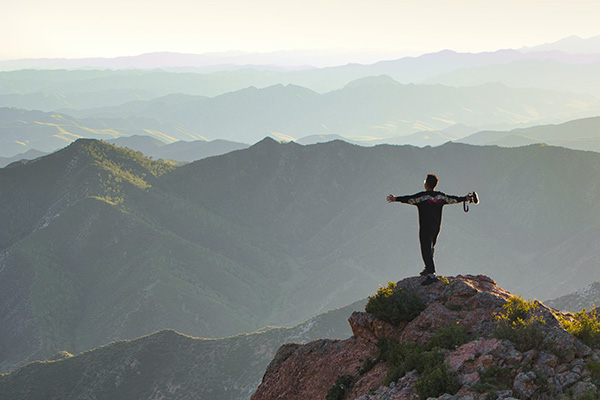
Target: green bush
(366, 366)
(517, 323)
(404, 357)
(491, 396)
(436, 378)
(436, 381)
(594, 368)
(449, 337)
(589, 394)
(338, 389)
(394, 305)
(517, 309)
(585, 327)
(494, 379)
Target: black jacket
(430, 205)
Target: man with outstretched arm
(430, 204)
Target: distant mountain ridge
(572, 44)
(22, 130)
(274, 60)
(225, 78)
(28, 155)
(544, 73)
(582, 134)
(178, 151)
(374, 106)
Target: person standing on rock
(430, 204)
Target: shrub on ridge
(394, 305)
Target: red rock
(368, 327)
(308, 371)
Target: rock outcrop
(485, 366)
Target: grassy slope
(98, 265)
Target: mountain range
(376, 106)
(181, 151)
(582, 134)
(269, 235)
(372, 107)
(52, 89)
(238, 97)
(569, 48)
(579, 134)
(152, 263)
(543, 74)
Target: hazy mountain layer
(178, 151)
(581, 134)
(374, 106)
(22, 130)
(100, 243)
(28, 155)
(546, 74)
(200, 75)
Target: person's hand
(391, 198)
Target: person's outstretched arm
(438, 197)
(449, 199)
(412, 199)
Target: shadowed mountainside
(101, 244)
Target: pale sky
(110, 28)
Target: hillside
(168, 365)
(75, 229)
(587, 297)
(22, 130)
(462, 338)
(269, 235)
(580, 134)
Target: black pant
(428, 240)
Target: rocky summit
(500, 347)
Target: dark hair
(431, 181)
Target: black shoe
(424, 273)
(429, 280)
